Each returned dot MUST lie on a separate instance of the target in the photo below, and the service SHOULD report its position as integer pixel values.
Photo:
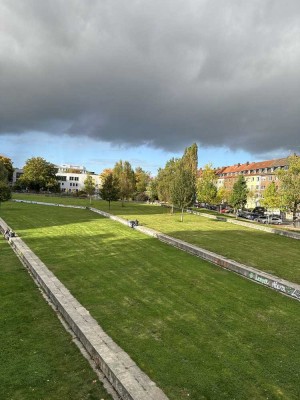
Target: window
(71, 178)
(76, 178)
(61, 178)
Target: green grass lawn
(271, 253)
(37, 359)
(200, 332)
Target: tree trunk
(109, 204)
(181, 218)
(294, 213)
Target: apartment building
(258, 176)
(71, 178)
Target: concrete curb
(290, 289)
(120, 370)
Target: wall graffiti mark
(259, 278)
(275, 285)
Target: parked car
(271, 219)
(252, 216)
(243, 214)
(259, 210)
(275, 220)
(263, 219)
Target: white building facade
(71, 178)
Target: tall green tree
(3, 173)
(190, 159)
(239, 193)
(290, 184)
(110, 189)
(5, 191)
(7, 163)
(206, 187)
(124, 173)
(152, 189)
(165, 179)
(272, 198)
(183, 187)
(142, 179)
(89, 186)
(39, 174)
(190, 162)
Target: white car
(275, 220)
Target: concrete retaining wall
(288, 288)
(121, 371)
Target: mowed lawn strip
(268, 252)
(198, 331)
(37, 359)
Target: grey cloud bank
(161, 73)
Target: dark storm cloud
(163, 73)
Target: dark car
(243, 214)
(259, 210)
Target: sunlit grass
(38, 359)
(271, 253)
(199, 331)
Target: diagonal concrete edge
(288, 288)
(129, 381)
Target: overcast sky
(149, 77)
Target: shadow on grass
(180, 318)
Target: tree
(3, 173)
(5, 191)
(7, 163)
(110, 189)
(239, 193)
(206, 188)
(89, 186)
(190, 162)
(223, 195)
(105, 173)
(125, 175)
(183, 188)
(152, 189)
(165, 177)
(142, 178)
(39, 174)
(290, 184)
(190, 159)
(272, 197)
